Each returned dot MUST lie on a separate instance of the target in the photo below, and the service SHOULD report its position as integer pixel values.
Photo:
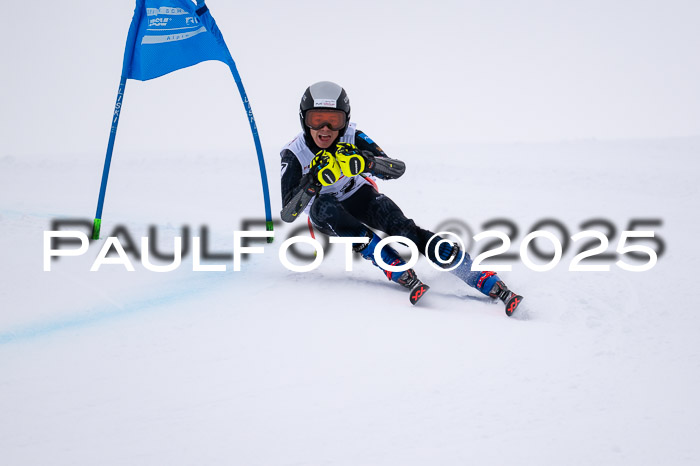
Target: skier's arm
(297, 189)
(365, 143)
(377, 162)
(290, 175)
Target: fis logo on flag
(158, 22)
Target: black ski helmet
(324, 94)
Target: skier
(327, 170)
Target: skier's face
(324, 137)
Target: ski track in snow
(115, 309)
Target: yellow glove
(325, 168)
(351, 162)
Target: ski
(417, 292)
(410, 281)
(512, 303)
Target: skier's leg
(408, 278)
(450, 254)
(331, 217)
(389, 255)
(379, 211)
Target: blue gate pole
(108, 159)
(258, 147)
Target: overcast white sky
(491, 71)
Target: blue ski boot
(408, 278)
(486, 282)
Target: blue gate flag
(168, 35)
(164, 36)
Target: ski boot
(510, 299)
(486, 282)
(408, 278)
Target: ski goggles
(317, 119)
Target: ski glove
(383, 168)
(351, 162)
(325, 168)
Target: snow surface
(270, 367)
(266, 366)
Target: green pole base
(269, 227)
(96, 228)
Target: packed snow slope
(269, 367)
